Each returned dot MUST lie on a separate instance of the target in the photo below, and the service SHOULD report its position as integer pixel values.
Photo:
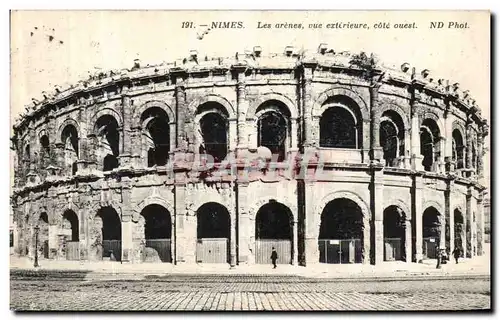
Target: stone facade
(129, 140)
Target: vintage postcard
(250, 160)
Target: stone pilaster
(468, 225)
(242, 108)
(450, 215)
(311, 226)
(295, 255)
(480, 217)
(127, 224)
(408, 240)
(417, 217)
(232, 244)
(307, 105)
(244, 250)
(83, 233)
(180, 104)
(377, 207)
(53, 240)
(480, 154)
(375, 148)
(468, 147)
(415, 143)
(407, 151)
(127, 240)
(448, 148)
(125, 145)
(180, 216)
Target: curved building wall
(278, 137)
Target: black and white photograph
(250, 160)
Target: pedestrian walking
(274, 257)
(456, 254)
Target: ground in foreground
(246, 292)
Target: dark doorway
(459, 230)
(157, 233)
(431, 229)
(394, 234)
(111, 233)
(341, 232)
(70, 223)
(213, 233)
(273, 228)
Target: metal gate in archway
(337, 251)
(429, 248)
(393, 250)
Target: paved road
(183, 292)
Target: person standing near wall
(274, 257)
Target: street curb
(99, 274)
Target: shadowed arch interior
(158, 223)
(213, 130)
(341, 219)
(70, 219)
(458, 149)
(340, 124)
(341, 232)
(45, 150)
(273, 221)
(109, 139)
(429, 143)
(392, 137)
(431, 232)
(157, 133)
(213, 221)
(394, 233)
(273, 127)
(111, 224)
(69, 138)
(459, 229)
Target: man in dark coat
(274, 257)
(456, 253)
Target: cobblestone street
(246, 292)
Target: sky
(62, 47)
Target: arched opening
(43, 236)
(458, 149)
(392, 137)
(394, 234)
(341, 232)
(157, 233)
(69, 138)
(44, 151)
(431, 232)
(71, 232)
(429, 144)
(108, 141)
(459, 230)
(340, 124)
(156, 131)
(213, 130)
(273, 128)
(111, 232)
(273, 228)
(213, 233)
(27, 153)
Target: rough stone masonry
(329, 157)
